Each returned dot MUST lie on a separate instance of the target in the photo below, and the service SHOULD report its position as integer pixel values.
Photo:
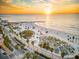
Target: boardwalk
(4, 47)
(41, 50)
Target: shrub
(7, 42)
(27, 33)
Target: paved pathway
(4, 47)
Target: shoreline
(58, 33)
(43, 29)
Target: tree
(32, 43)
(27, 55)
(46, 31)
(49, 37)
(62, 54)
(76, 57)
(51, 49)
(0, 30)
(35, 56)
(33, 27)
(6, 39)
(73, 37)
(17, 47)
(27, 34)
(7, 43)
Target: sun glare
(48, 9)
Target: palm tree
(27, 42)
(27, 55)
(33, 27)
(35, 56)
(51, 49)
(46, 31)
(32, 43)
(49, 38)
(62, 54)
(76, 57)
(73, 37)
(27, 34)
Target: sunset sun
(48, 9)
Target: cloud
(72, 1)
(31, 6)
(1, 1)
(5, 1)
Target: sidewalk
(6, 49)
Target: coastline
(57, 33)
(51, 32)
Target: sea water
(63, 22)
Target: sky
(39, 6)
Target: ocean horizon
(63, 22)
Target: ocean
(63, 22)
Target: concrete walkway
(6, 49)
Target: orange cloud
(12, 9)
